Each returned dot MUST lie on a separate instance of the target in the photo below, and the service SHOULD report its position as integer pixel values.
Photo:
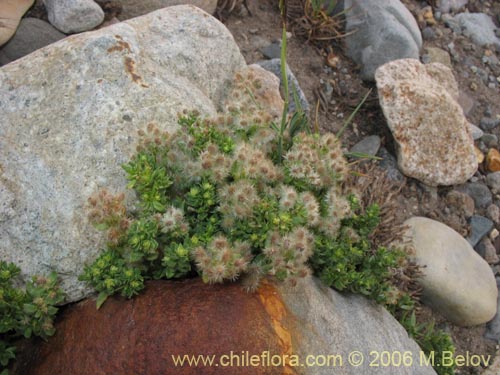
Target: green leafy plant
(432, 341)
(25, 313)
(244, 195)
(319, 5)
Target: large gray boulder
(379, 32)
(457, 282)
(70, 112)
(345, 324)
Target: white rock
(433, 139)
(74, 16)
(66, 130)
(457, 282)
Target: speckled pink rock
(432, 135)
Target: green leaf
(29, 308)
(101, 298)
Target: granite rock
(67, 130)
(433, 139)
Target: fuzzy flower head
(318, 161)
(215, 164)
(254, 164)
(288, 254)
(173, 222)
(239, 199)
(222, 260)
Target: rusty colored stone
(493, 160)
(139, 336)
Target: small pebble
(486, 249)
(461, 202)
(480, 226)
(494, 234)
(428, 33)
(493, 213)
(493, 181)
(477, 133)
(272, 51)
(490, 140)
(488, 123)
(493, 160)
(369, 145)
(478, 192)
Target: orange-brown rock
(493, 160)
(140, 336)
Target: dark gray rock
(428, 33)
(272, 51)
(274, 66)
(381, 31)
(390, 165)
(493, 213)
(479, 192)
(32, 34)
(489, 123)
(490, 140)
(369, 146)
(493, 181)
(480, 226)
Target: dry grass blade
(375, 187)
(226, 7)
(315, 26)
